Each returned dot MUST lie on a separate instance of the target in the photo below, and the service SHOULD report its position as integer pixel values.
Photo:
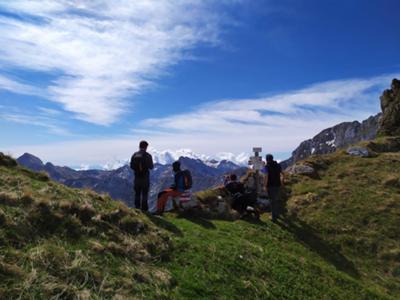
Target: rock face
(390, 104)
(339, 136)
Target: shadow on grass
(308, 236)
(197, 219)
(162, 223)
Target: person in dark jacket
(240, 198)
(273, 181)
(175, 190)
(141, 164)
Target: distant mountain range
(167, 157)
(118, 183)
(116, 178)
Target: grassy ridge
(56, 242)
(354, 205)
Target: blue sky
(81, 82)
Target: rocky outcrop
(359, 151)
(301, 169)
(390, 104)
(339, 136)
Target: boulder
(359, 151)
(301, 169)
(389, 124)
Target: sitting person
(240, 198)
(182, 182)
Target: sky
(82, 82)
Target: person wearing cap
(273, 181)
(175, 190)
(141, 164)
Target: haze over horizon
(81, 82)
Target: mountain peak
(31, 161)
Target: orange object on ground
(163, 198)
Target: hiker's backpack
(138, 164)
(187, 179)
(274, 173)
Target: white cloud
(277, 123)
(45, 118)
(15, 86)
(105, 51)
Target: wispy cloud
(44, 117)
(105, 51)
(277, 123)
(14, 86)
(291, 116)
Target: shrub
(7, 161)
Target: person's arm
(175, 184)
(131, 164)
(282, 178)
(150, 162)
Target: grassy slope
(59, 241)
(354, 205)
(56, 242)
(244, 260)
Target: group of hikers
(243, 200)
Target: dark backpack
(274, 174)
(187, 179)
(138, 164)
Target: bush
(7, 161)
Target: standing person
(141, 164)
(182, 182)
(273, 181)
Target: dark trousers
(241, 201)
(142, 186)
(274, 193)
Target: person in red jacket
(182, 182)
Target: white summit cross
(256, 160)
(258, 164)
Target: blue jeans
(274, 193)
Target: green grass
(340, 240)
(355, 206)
(62, 243)
(217, 259)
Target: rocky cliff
(390, 104)
(339, 136)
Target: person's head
(176, 166)
(233, 177)
(269, 158)
(143, 145)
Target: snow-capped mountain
(118, 182)
(167, 157)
